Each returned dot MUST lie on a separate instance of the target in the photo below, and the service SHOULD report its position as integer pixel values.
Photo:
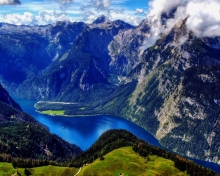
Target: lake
(85, 130)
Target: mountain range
(171, 88)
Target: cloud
(139, 11)
(203, 17)
(9, 2)
(102, 4)
(27, 18)
(134, 20)
(99, 5)
(64, 4)
(95, 8)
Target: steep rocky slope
(177, 95)
(125, 49)
(27, 50)
(58, 61)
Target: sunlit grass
(53, 112)
(120, 161)
(6, 169)
(83, 108)
(127, 162)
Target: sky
(203, 16)
(41, 12)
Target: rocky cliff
(177, 94)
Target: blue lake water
(85, 130)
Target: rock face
(59, 61)
(177, 95)
(171, 89)
(125, 49)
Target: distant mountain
(23, 138)
(171, 88)
(58, 61)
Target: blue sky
(47, 11)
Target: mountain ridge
(168, 89)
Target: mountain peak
(100, 19)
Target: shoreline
(196, 160)
(56, 102)
(73, 115)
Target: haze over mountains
(167, 82)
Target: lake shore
(60, 115)
(79, 130)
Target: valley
(78, 129)
(20, 145)
(108, 68)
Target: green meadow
(6, 169)
(122, 161)
(126, 162)
(53, 112)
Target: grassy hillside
(6, 169)
(115, 152)
(125, 161)
(114, 139)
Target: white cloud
(112, 10)
(64, 4)
(203, 17)
(139, 11)
(102, 4)
(9, 2)
(99, 5)
(95, 8)
(28, 18)
(76, 10)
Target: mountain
(80, 70)
(176, 97)
(58, 61)
(178, 86)
(23, 138)
(171, 88)
(125, 49)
